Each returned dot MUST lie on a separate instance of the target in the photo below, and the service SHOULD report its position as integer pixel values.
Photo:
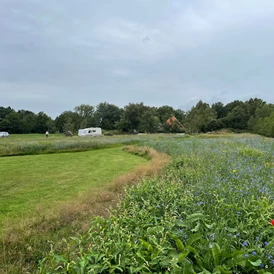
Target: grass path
(28, 182)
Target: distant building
(174, 122)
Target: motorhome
(91, 131)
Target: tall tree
(41, 123)
(165, 112)
(150, 123)
(220, 109)
(11, 123)
(86, 114)
(131, 117)
(230, 106)
(107, 115)
(180, 115)
(68, 117)
(199, 116)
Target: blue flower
(266, 243)
(246, 255)
(254, 253)
(245, 243)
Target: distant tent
(173, 121)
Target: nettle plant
(211, 211)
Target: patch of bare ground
(28, 241)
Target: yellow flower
(234, 170)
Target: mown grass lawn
(29, 182)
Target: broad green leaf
(221, 270)
(147, 245)
(257, 263)
(187, 267)
(196, 228)
(209, 226)
(182, 256)
(194, 217)
(179, 245)
(194, 238)
(216, 252)
(192, 250)
(204, 272)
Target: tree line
(254, 115)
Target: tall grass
(32, 146)
(210, 212)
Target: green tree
(180, 115)
(28, 121)
(86, 114)
(164, 113)
(68, 117)
(259, 123)
(199, 116)
(68, 125)
(131, 117)
(229, 107)
(220, 109)
(41, 123)
(150, 123)
(107, 115)
(5, 111)
(11, 123)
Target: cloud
(64, 53)
(119, 72)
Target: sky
(56, 55)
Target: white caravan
(91, 131)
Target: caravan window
(94, 131)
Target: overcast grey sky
(57, 54)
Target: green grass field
(43, 181)
(53, 187)
(209, 211)
(34, 144)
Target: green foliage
(199, 116)
(220, 109)
(252, 115)
(164, 113)
(262, 122)
(69, 120)
(150, 123)
(209, 212)
(131, 117)
(24, 121)
(107, 115)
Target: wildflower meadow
(210, 211)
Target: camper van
(91, 131)
(4, 134)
